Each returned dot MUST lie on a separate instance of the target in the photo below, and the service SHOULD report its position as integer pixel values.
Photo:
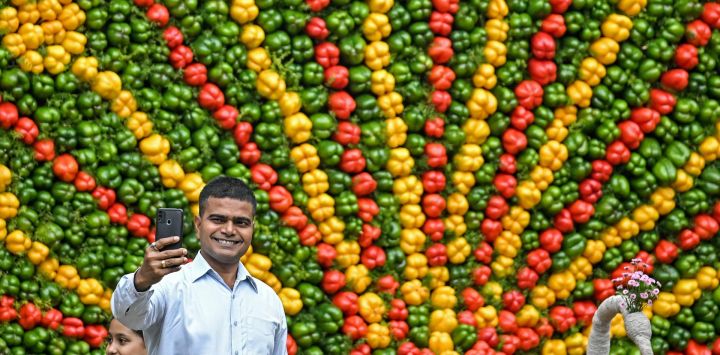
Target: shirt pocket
(260, 334)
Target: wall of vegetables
(433, 176)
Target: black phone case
(169, 223)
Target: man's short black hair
(227, 187)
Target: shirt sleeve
(137, 310)
(280, 347)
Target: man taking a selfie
(212, 305)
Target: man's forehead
(228, 207)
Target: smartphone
(169, 224)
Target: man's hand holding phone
(158, 263)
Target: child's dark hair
(227, 187)
(138, 332)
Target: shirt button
(235, 324)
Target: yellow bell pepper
(38, 253)
(580, 93)
(391, 104)
(576, 344)
(707, 278)
(32, 35)
(408, 189)
(709, 148)
(315, 182)
(566, 114)
(272, 281)
(290, 103)
(48, 268)
(554, 347)
(528, 316)
(72, 17)
(321, 207)
(455, 223)
(617, 27)
(412, 240)
(53, 31)
(591, 70)
(482, 104)
(358, 278)
(497, 30)
(171, 173)
(9, 205)
(124, 105)
(492, 291)
(139, 125)
(348, 253)
(486, 316)
(400, 162)
(3, 229)
(553, 154)
(377, 55)
(562, 284)
(258, 59)
(542, 177)
(107, 84)
(610, 237)
(458, 250)
(270, 85)
(414, 293)
(382, 82)
(378, 336)
(395, 132)
(457, 204)
(683, 181)
(411, 216)
(463, 181)
(155, 148)
(594, 251)
(376, 26)
(605, 50)
(17, 242)
(627, 228)
(291, 301)
(695, 164)
(631, 7)
(507, 244)
(13, 42)
(441, 343)
(252, 36)
(443, 320)
(542, 297)
(90, 291)
(9, 21)
(67, 277)
(580, 268)
(191, 185)
(28, 13)
(476, 131)
(503, 266)
(666, 305)
(484, 76)
(497, 9)
(305, 157)
(298, 127)
(443, 297)
(416, 267)
(244, 11)
(516, 221)
(645, 216)
(332, 230)
(469, 158)
(5, 177)
(663, 200)
(495, 53)
(528, 194)
(556, 131)
(371, 307)
(381, 6)
(85, 68)
(686, 291)
(31, 62)
(439, 275)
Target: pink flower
(625, 292)
(644, 295)
(655, 291)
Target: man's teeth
(226, 242)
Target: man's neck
(227, 272)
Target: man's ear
(197, 224)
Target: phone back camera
(168, 222)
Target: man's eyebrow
(243, 218)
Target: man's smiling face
(225, 230)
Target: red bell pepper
(295, 218)
(44, 150)
(467, 317)
(434, 228)
(450, 6)
(211, 97)
(264, 176)
(441, 77)
(8, 115)
(489, 335)
(388, 284)
(551, 240)
(368, 235)
(441, 50)
(159, 14)
(705, 226)
(539, 260)
(675, 79)
(563, 221)
(433, 181)
(367, 209)
(513, 300)
(441, 99)
(354, 327)
(508, 163)
(542, 71)
(584, 311)
(398, 329)
(173, 37)
(435, 127)
(472, 299)
(560, 6)
(698, 33)
(666, 252)
(226, 117)
(325, 254)
(181, 56)
(317, 29)
(521, 118)
(603, 289)
(27, 129)
(510, 343)
(695, 348)
(65, 167)
(398, 310)
(483, 253)
(507, 322)
(496, 207)
(491, 229)
(581, 211)
(333, 281)
(433, 205)
(139, 225)
(337, 77)
(352, 161)
(52, 319)
(436, 255)
(527, 278)
(363, 184)
(554, 24)
(711, 14)
(95, 335)
(250, 154)
(542, 45)
(310, 235)
(481, 275)
(73, 327)
(544, 329)
(646, 118)
(601, 170)
(347, 133)
(291, 345)
(317, 5)
(361, 349)
(505, 184)
(688, 240)
(436, 155)
(529, 339)
(562, 318)
(118, 214)
(280, 199)
(590, 190)
(242, 133)
(529, 94)
(373, 257)
(441, 23)
(30, 316)
(327, 54)
(84, 182)
(617, 153)
(514, 141)
(195, 74)
(686, 56)
(105, 197)
(662, 101)
(630, 134)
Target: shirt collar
(200, 267)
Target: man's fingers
(162, 243)
(167, 254)
(171, 263)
